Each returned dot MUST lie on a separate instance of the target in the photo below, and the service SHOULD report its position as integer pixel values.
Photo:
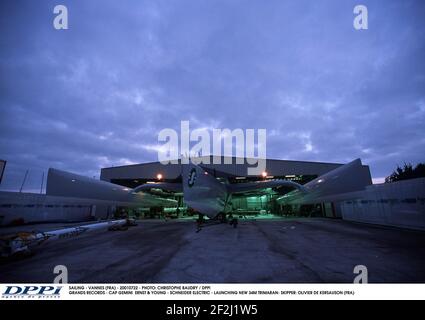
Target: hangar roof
(230, 166)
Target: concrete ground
(272, 250)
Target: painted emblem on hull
(192, 177)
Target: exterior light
(264, 174)
(159, 176)
(73, 180)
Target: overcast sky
(97, 94)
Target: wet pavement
(312, 250)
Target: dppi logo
(192, 178)
(31, 291)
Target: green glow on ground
(247, 217)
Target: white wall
(400, 204)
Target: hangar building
(234, 170)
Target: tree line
(407, 172)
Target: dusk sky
(97, 95)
